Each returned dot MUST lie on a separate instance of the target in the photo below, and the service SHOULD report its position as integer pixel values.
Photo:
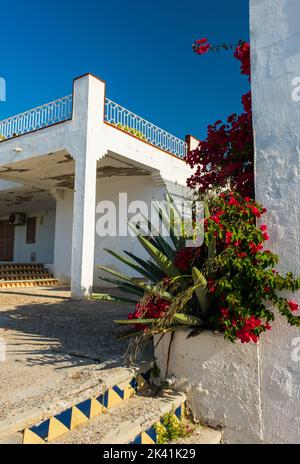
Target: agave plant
(183, 289)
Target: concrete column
(89, 96)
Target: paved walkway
(55, 349)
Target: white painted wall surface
(139, 188)
(275, 42)
(221, 381)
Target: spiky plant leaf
(129, 263)
(135, 321)
(187, 319)
(125, 286)
(201, 289)
(109, 297)
(165, 218)
(155, 271)
(160, 259)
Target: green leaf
(135, 321)
(167, 222)
(125, 286)
(109, 297)
(201, 290)
(155, 271)
(186, 319)
(130, 280)
(129, 263)
(160, 259)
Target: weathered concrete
(221, 381)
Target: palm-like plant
(184, 290)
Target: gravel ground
(55, 347)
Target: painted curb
(81, 413)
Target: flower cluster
(245, 278)
(242, 53)
(226, 155)
(201, 46)
(185, 258)
(154, 308)
(246, 329)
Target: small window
(31, 230)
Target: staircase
(126, 412)
(25, 275)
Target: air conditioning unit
(17, 219)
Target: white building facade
(61, 161)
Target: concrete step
(20, 267)
(23, 276)
(29, 283)
(97, 382)
(132, 421)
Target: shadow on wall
(79, 333)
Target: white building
(58, 161)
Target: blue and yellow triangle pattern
(81, 413)
(149, 436)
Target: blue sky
(142, 48)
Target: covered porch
(58, 162)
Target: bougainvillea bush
(226, 156)
(225, 284)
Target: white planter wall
(221, 380)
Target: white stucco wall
(275, 63)
(221, 380)
(139, 188)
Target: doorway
(7, 238)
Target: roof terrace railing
(43, 116)
(135, 125)
(61, 110)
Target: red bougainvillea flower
(228, 237)
(255, 248)
(225, 312)
(246, 334)
(242, 53)
(263, 227)
(211, 286)
(242, 254)
(266, 236)
(185, 258)
(255, 211)
(154, 308)
(201, 46)
(293, 305)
